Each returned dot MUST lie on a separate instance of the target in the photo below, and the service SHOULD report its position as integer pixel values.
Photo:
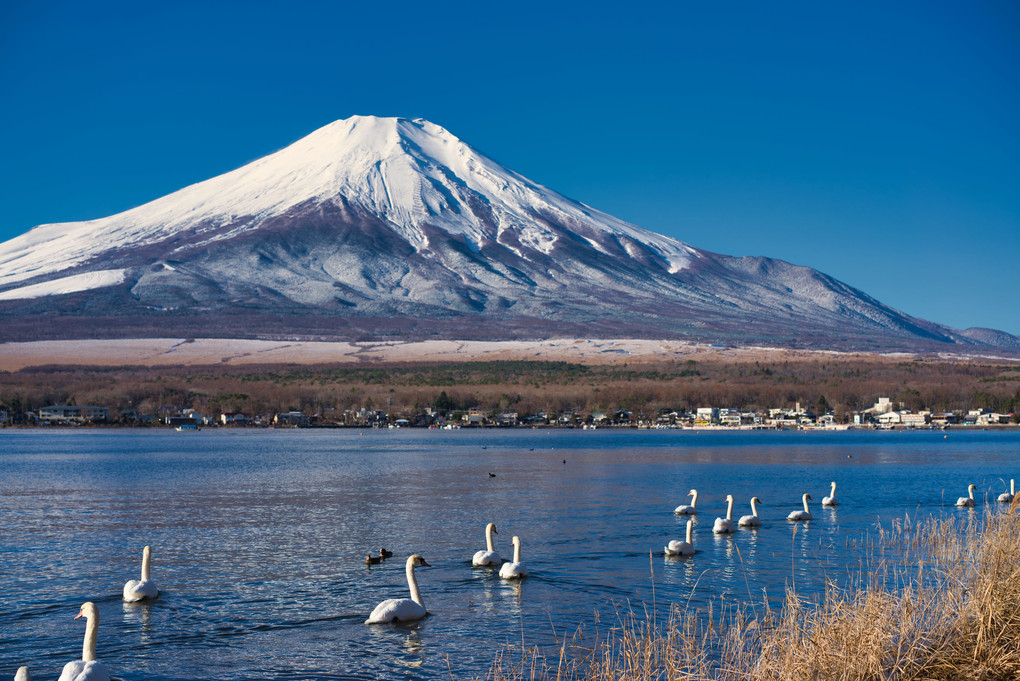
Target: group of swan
(725, 525)
(88, 668)
(410, 609)
(968, 501)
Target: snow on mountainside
(383, 227)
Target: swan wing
(749, 521)
(722, 526)
(1005, 497)
(965, 501)
(829, 501)
(396, 610)
(137, 590)
(80, 670)
(484, 557)
(513, 571)
(685, 509)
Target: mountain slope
(381, 227)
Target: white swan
(514, 569)
(22, 674)
(968, 501)
(682, 548)
(1007, 497)
(402, 609)
(831, 500)
(140, 589)
(751, 520)
(691, 508)
(87, 668)
(489, 555)
(801, 515)
(725, 525)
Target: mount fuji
(391, 228)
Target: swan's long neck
(1011, 490)
(690, 532)
(729, 508)
(833, 492)
(412, 584)
(970, 491)
(88, 650)
(805, 504)
(694, 501)
(146, 554)
(754, 509)
(517, 550)
(488, 537)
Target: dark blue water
(259, 537)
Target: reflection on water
(260, 537)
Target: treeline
(843, 385)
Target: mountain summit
(394, 228)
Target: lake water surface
(259, 537)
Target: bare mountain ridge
(393, 228)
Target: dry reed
(947, 606)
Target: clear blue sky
(878, 142)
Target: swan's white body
(725, 525)
(691, 508)
(682, 548)
(22, 674)
(402, 609)
(1007, 497)
(514, 569)
(968, 501)
(489, 555)
(831, 499)
(140, 589)
(751, 520)
(87, 668)
(801, 515)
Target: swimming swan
(691, 508)
(139, 589)
(751, 520)
(489, 555)
(801, 515)
(402, 609)
(725, 525)
(1007, 497)
(831, 499)
(968, 501)
(682, 548)
(514, 569)
(87, 668)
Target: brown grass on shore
(947, 608)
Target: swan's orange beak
(78, 615)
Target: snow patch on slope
(72, 284)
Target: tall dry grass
(947, 607)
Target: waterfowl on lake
(514, 569)
(725, 525)
(1007, 497)
(751, 520)
(87, 668)
(801, 515)
(831, 499)
(402, 609)
(140, 589)
(682, 548)
(488, 555)
(384, 554)
(968, 501)
(372, 560)
(691, 508)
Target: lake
(259, 537)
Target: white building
(66, 413)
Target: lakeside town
(885, 413)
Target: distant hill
(381, 228)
